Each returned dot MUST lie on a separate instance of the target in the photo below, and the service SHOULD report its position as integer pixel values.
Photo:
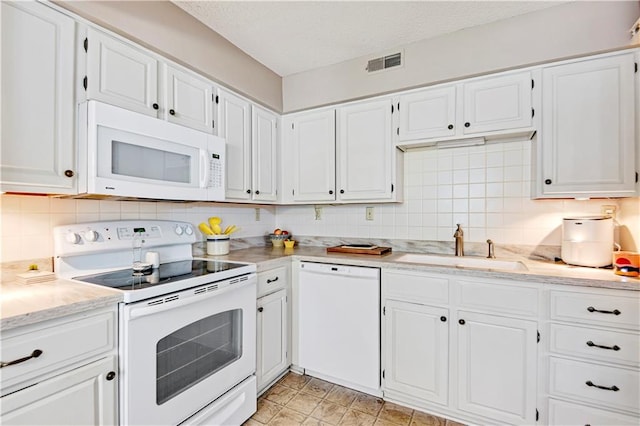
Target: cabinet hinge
(532, 84)
(538, 337)
(391, 187)
(636, 177)
(383, 374)
(291, 126)
(537, 415)
(217, 100)
(213, 124)
(85, 44)
(398, 106)
(84, 82)
(391, 108)
(293, 192)
(635, 67)
(384, 310)
(398, 131)
(533, 112)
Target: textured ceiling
(295, 36)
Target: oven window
(149, 163)
(195, 352)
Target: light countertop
(22, 304)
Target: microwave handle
(205, 171)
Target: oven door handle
(145, 310)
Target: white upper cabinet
(586, 147)
(120, 74)
(235, 126)
(189, 99)
(38, 99)
(365, 151)
(264, 142)
(497, 103)
(428, 114)
(311, 140)
(125, 75)
(485, 106)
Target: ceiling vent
(384, 62)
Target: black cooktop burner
(127, 279)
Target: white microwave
(129, 154)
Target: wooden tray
(345, 249)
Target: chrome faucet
(491, 254)
(459, 236)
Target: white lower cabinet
(84, 396)
(465, 348)
(417, 351)
(497, 361)
(273, 326)
(62, 371)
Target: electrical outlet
(257, 214)
(318, 213)
(369, 213)
(609, 210)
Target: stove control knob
(91, 236)
(72, 238)
(188, 230)
(179, 230)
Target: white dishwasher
(339, 324)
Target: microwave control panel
(216, 170)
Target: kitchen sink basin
(464, 262)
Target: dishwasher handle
(346, 270)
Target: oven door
(178, 354)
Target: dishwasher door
(339, 324)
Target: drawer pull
(612, 348)
(614, 312)
(593, 385)
(272, 280)
(34, 354)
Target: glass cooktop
(127, 279)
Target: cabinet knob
(443, 318)
(467, 124)
(450, 126)
(156, 106)
(331, 192)
(258, 192)
(111, 375)
(248, 191)
(461, 322)
(68, 173)
(342, 191)
(260, 309)
(547, 181)
(172, 112)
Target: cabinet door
(428, 114)
(587, 141)
(416, 349)
(121, 74)
(498, 103)
(38, 107)
(189, 100)
(264, 141)
(497, 367)
(365, 151)
(314, 162)
(235, 127)
(84, 396)
(272, 337)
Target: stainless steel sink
(464, 262)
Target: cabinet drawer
(563, 413)
(63, 343)
(603, 345)
(272, 280)
(620, 387)
(598, 309)
(415, 287)
(509, 299)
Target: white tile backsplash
(485, 188)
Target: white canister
(217, 245)
(587, 241)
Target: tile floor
(304, 400)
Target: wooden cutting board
(358, 250)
